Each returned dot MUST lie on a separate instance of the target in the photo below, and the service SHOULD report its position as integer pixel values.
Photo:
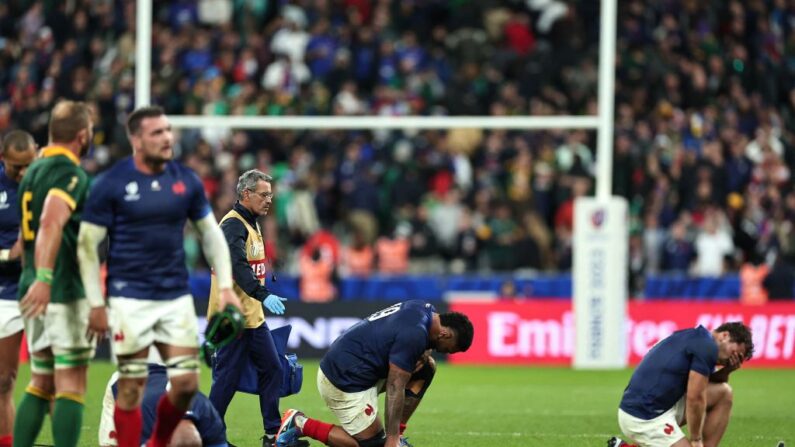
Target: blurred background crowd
(705, 114)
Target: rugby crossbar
(385, 122)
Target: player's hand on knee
(97, 323)
(274, 304)
(35, 301)
(424, 359)
(228, 297)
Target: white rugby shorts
(10, 318)
(355, 411)
(137, 324)
(62, 328)
(662, 431)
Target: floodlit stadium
(580, 179)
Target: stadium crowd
(705, 110)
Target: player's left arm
(395, 395)
(217, 254)
(55, 214)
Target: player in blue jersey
(142, 204)
(17, 152)
(677, 383)
(387, 351)
(201, 425)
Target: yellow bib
(255, 254)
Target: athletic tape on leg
(73, 358)
(183, 364)
(42, 366)
(133, 369)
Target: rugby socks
(168, 416)
(67, 419)
(6, 441)
(129, 424)
(316, 429)
(30, 415)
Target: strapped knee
(379, 440)
(425, 374)
(182, 364)
(73, 358)
(133, 369)
(44, 366)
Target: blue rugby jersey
(661, 377)
(145, 216)
(360, 357)
(207, 421)
(9, 231)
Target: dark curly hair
(462, 327)
(740, 334)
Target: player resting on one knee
(142, 203)
(677, 384)
(389, 352)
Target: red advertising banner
(537, 332)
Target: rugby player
(677, 383)
(387, 351)
(142, 204)
(53, 304)
(201, 425)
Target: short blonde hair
(67, 119)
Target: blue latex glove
(274, 304)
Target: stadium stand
(705, 110)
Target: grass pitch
(505, 406)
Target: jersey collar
(52, 151)
(248, 215)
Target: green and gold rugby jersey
(57, 172)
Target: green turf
(509, 406)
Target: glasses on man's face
(263, 195)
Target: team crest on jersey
(255, 250)
(132, 192)
(178, 188)
(3, 200)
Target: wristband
(44, 275)
(5, 254)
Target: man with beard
(682, 380)
(53, 304)
(142, 204)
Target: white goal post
(602, 345)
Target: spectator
(713, 243)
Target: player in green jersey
(53, 303)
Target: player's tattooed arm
(395, 396)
